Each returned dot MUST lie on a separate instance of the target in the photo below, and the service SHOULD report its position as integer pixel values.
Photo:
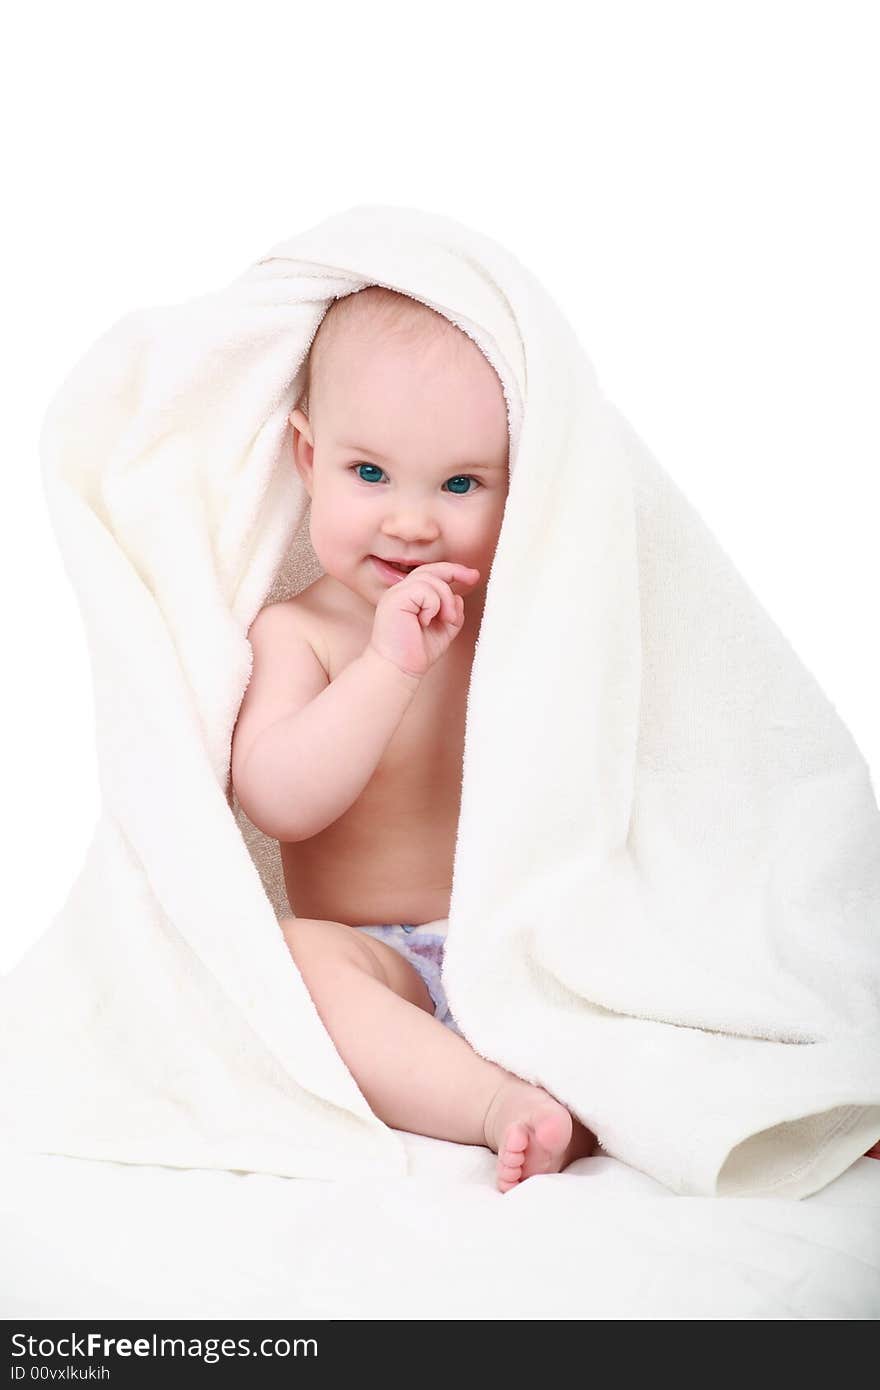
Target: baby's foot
(532, 1133)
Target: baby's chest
(423, 760)
(419, 771)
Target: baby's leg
(414, 1073)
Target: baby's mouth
(401, 569)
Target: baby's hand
(419, 616)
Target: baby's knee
(311, 939)
(304, 934)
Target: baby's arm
(304, 748)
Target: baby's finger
(451, 602)
(447, 603)
(430, 606)
(451, 573)
(445, 597)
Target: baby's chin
(360, 581)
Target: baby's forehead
(388, 356)
(380, 321)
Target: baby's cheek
(336, 540)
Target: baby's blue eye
(370, 466)
(458, 478)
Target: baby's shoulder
(303, 614)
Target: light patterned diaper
(423, 947)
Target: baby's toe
(511, 1157)
(508, 1175)
(510, 1167)
(516, 1141)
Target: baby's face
(405, 457)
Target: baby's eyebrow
(363, 449)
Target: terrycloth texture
(666, 894)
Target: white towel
(666, 894)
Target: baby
(348, 745)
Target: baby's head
(401, 439)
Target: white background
(694, 183)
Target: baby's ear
(300, 421)
(303, 446)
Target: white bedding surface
(84, 1239)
